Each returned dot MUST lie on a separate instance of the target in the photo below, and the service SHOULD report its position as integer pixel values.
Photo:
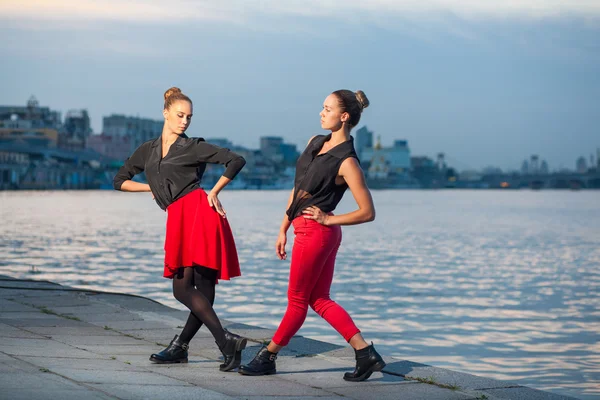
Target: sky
(488, 83)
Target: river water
(502, 284)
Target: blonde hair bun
(172, 91)
(362, 99)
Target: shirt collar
(339, 151)
(179, 142)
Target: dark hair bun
(361, 97)
(170, 92)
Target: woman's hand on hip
(214, 202)
(280, 246)
(315, 213)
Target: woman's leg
(204, 281)
(177, 350)
(231, 345)
(200, 306)
(311, 250)
(321, 302)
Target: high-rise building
(544, 170)
(581, 165)
(76, 130)
(139, 130)
(364, 140)
(534, 167)
(525, 167)
(270, 147)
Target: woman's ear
(345, 116)
(165, 113)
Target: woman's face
(179, 116)
(332, 117)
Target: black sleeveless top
(314, 184)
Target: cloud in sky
(241, 10)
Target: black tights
(194, 287)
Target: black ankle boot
(176, 352)
(232, 351)
(368, 361)
(262, 364)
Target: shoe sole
(375, 368)
(250, 373)
(180, 361)
(237, 358)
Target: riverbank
(61, 342)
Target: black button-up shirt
(180, 171)
(314, 184)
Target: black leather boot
(232, 351)
(262, 364)
(368, 361)
(176, 352)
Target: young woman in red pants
(199, 246)
(327, 167)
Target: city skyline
(487, 84)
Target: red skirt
(198, 235)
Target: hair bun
(361, 97)
(170, 92)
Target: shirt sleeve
(133, 166)
(209, 153)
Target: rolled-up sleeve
(208, 153)
(133, 166)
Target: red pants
(311, 273)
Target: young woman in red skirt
(324, 171)
(199, 245)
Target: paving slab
(412, 391)
(90, 330)
(524, 393)
(14, 332)
(145, 392)
(53, 363)
(118, 377)
(97, 340)
(49, 320)
(12, 306)
(234, 384)
(143, 348)
(54, 394)
(444, 376)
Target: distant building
(581, 165)
(76, 130)
(30, 125)
(138, 130)
(31, 116)
(544, 170)
(534, 167)
(270, 147)
(364, 140)
(274, 149)
(525, 167)
(36, 137)
(385, 161)
(425, 171)
(115, 147)
(290, 154)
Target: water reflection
(499, 284)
